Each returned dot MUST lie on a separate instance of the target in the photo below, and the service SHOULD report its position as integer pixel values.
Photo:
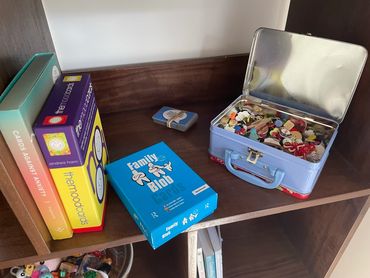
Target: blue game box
(161, 192)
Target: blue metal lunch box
(310, 78)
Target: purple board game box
(69, 132)
(72, 113)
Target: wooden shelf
(127, 132)
(14, 243)
(169, 260)
(260, 248)
(296, 242)
(301, 243)
(254, 248)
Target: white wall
(96, 33)
(355, 262)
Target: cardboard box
(71, 138)
(161, 192)
(20, 103)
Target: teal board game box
(161, 192)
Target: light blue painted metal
(274, 167)
(270, 53)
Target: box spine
(210, 266)
(74, 183)
(183, 221)
(30, 162)
(77, 198)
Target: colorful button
(233, 123)
(229, 128)
(296, 135)
(311, 138)
(224, 120)
(288, 125)
(279, 130)
(262, 133)
(253, 134)
(273, 142)
(242, 115)
(278, 123)
(275, 133)
(232, 115)
(284, 132)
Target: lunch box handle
(277, 174)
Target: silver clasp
(253, 156)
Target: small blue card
(161, 192)
(175, 118)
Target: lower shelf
(260, 248)
(303, 243)
(169, 260)
(257, 248)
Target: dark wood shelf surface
(130, 131)
(169, 260)
(127, 132)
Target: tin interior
(329, 125)
(311, 74)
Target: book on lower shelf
(200, 262)
(162, 193)
(216, 242)
(208, 253)
(19, 105)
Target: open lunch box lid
(315, 75)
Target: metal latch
(253, 156)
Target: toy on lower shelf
(111, 262)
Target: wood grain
(171, 83)
(23, 32)
(260, 248)
(130, 131)
(13, 241)
(20, 200)
(166, 261)
(349, 236)
(345, 21)
(319, 232)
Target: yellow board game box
(70, 135)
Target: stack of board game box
(20, 103)
(70, 135)
(64, 169)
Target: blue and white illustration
(175, 118)
(161, 192)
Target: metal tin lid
(315, 75)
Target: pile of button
(293, 135)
